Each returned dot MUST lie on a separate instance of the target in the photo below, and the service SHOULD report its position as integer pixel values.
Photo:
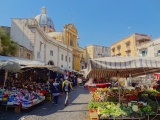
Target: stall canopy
(122, 66)
(49, 67)
(10, 66)
(21, 61)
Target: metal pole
(58, 55)
(6, 75)
(119, 94)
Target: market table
(102, 85)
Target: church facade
(70, 38)
(33, 34)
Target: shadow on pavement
(47, 107)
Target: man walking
(55, 92)
(66, 87)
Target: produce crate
(93, 116)
(49, 97)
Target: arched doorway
(50, 63)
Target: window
(61, 65)
(51, 53)
(69, 66)
(66, 58)
(71, 42)
(158, 53)
(28, 56)
(144, 53)
(69, 59)
(82, 67)
(62, 57)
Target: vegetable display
(104, 103)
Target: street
(76, 110)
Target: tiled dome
(44, 20)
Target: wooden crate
(93, 116)
(17, 109)
(49, 97)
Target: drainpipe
(58, 55)
(45, 52)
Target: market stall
(122, 67)
(23, 85)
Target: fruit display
(100, 95)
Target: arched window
(50, 63)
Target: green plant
(9, 47)
(93, 105)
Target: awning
(21, 61)
(49, 67)
(122, 66)
(10, 66)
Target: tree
(1, 33)
(9, 47)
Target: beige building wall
(128, 45)
(90, 52)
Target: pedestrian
(79, 81)
(84, 82)
(55, 91)
(66, 87)
(60, 86)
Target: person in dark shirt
(55, 92)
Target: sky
(100, 22)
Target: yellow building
(128, 45)
(70, 37)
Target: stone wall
(24, 53)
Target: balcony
(128, 49)
(113, 49)
(118, 47)
(142, 37)
(118, 53)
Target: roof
(96, 45)
(128, 37)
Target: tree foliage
(9, 47)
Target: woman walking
(55, 92)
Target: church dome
(44, 20)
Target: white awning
(21, 61)
(49, 67)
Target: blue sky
(100, 22)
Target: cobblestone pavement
(76, 110)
